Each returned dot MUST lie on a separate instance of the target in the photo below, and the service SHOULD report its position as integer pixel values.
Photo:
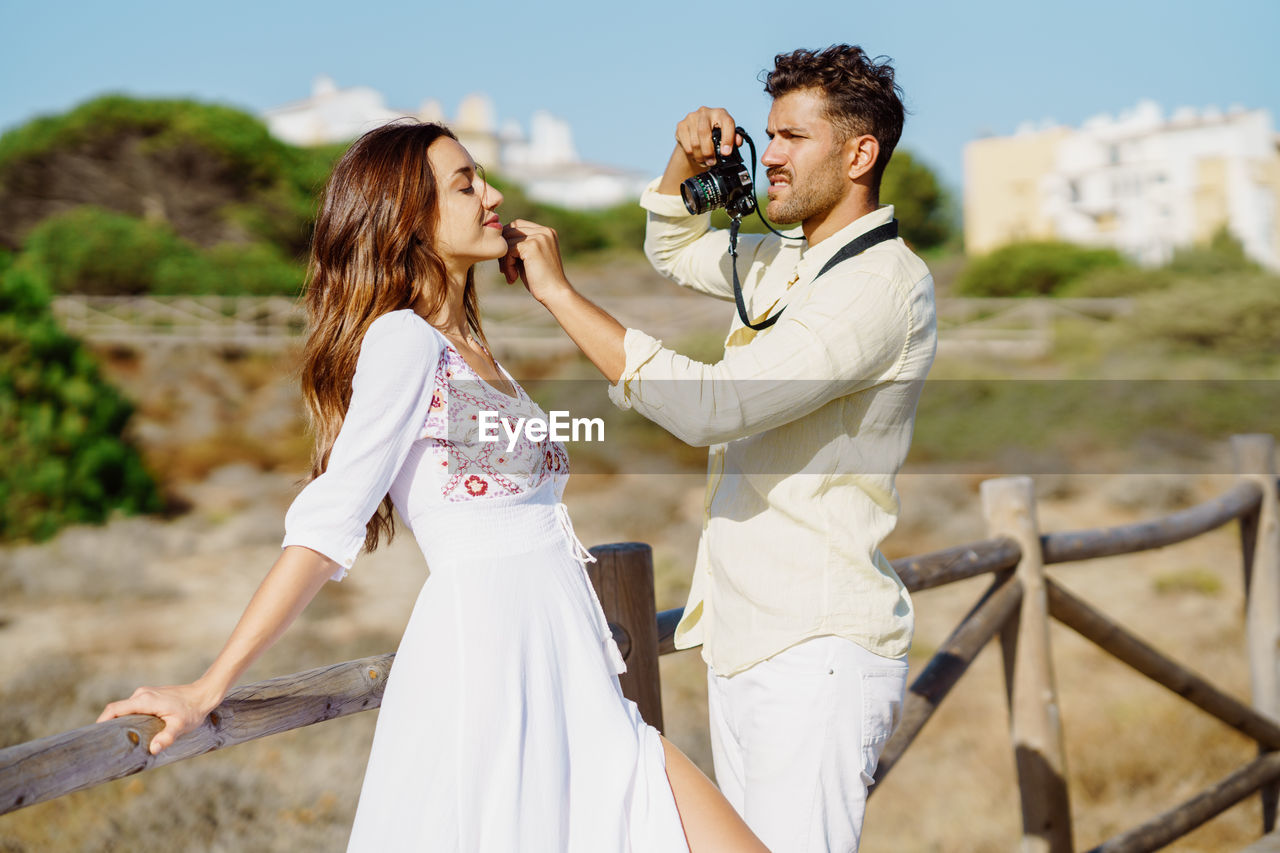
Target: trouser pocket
(883, 690)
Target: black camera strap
(856, 246)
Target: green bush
(205, 166)
(93, 251)
(297, 194)
(623, 226)
(256, 269)
(1222, 254)
(1033, 269)
(61, 426)
(1234, 314)
(1117, 282)
(168, 127)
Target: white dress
(503, 726)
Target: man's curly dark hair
(861, 95)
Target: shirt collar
(812, 258)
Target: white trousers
(796, 738)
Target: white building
(544, 162)
(330, 114)
(1139, 183)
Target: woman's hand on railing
(292, 582)
(182, 707)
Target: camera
(727, 184)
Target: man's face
(804, 159)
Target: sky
(623, 75)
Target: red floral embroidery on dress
(475, 468)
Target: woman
(503, 726)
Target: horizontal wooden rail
(955, 564)
(667, 622)
(1116, 641)
(993, 610)
(1177, 822)
(925, 571)
(961, 562)
(42, 769)
(1075, 545)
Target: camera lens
(703, 192)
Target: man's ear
(861, 153)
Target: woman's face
(467, 230)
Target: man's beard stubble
(812, 195)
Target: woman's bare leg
(711, 825)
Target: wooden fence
(1009, 328)
(232, 321)
(1016, 607)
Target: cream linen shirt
(807, 421)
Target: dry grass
(1193, 580)
(197, 460)
(198, 410)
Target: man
(803, 623)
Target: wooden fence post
(1035, 725)
(623, 578)
(1255, 461)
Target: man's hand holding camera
(694, 149)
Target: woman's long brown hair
(372, 253)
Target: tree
(919, 201)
